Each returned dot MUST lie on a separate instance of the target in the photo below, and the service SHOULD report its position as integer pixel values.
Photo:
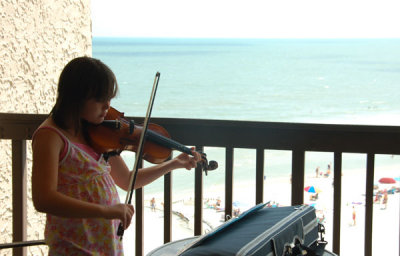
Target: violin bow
(139, 152)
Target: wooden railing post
(139, 228)
(228, 181)
(198, 199)
(19, 196)
(139, 218)
(337, 202)
(260, 176)
(297, 177)
(369, 204)
(167, 207)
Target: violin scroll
(207, 165)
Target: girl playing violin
(72, 183)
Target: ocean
(284, 80)
(342, 81)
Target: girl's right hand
(123, 212)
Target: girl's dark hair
(82, 78)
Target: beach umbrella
(387, 180)
(312, 189)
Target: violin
(117, 133)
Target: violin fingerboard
(167, 142)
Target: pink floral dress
(83, 176)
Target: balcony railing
(261, 136)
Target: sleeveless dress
(83, 176)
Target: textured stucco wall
(38, 37)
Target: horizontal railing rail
(295, 137)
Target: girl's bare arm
(121, 173)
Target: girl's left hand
(187, 161)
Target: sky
(246, 18)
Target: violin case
(261, 230)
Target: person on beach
(384, 200)
(153, 204)
(328, 171)
(73, 184)
(317, 172)
(354, 215)
(314, 197)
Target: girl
(72, 183)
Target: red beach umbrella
(387, 180)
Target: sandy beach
(277, 191)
